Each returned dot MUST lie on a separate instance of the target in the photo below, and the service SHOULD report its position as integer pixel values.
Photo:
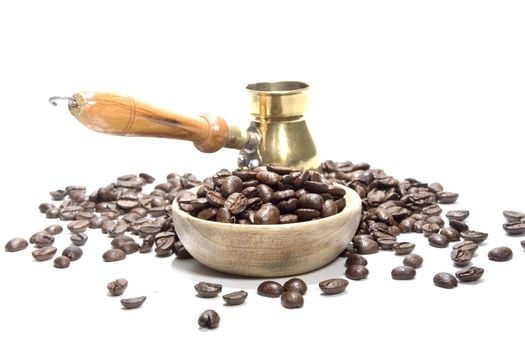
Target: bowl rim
(347, 210)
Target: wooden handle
(122, 115)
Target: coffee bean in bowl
(249, 249)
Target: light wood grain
(269, 250)
(122, 115)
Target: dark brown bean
(450, 233)
(208, 289)
(316, 187)
(447, 197)
(133, 303)
(356, 272)
(438, 241)
(230, 185)
(474, 236)
(45, 253)
(58, 195)
(311, 201)
(469, 274)
(268, 178)
(355, 259)
(329, 208)
(16, 244)
(513, 216)
(42, 239)
(288, 219)
(52, 213)
(209, 319)
(78, 239)
(500, 254)
(292, 300)
(236, 203)
(117, 287)
(429, 229)
(296, 285)
(403, 273)
(445, 280)
(461, 257)
(61, 262)
(466, 245)
(458, 215)
(413, 260)
(366, 246)
(54, 229)
(403, 248)
(235, 298)
(514, 228)
(270, 289)
(458, 225)
(130, 247)
(333, 286)
(73, 252)
(114, 255)
(267, 215)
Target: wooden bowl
(268, 250)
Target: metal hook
(53, 100)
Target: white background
(426, 89)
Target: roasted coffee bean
(316, 187)
(513, 216)
(295, 285)
(333, 286)
(436, 220)
(108, 226)
(267, 215)
(235, 298)
(523, 244)
(413, 260)
(429, 229)
(432, 210)
(79, 239)
(16, 244)
(461, 257)
(208, 289)
(292, 299)
(386, 243)
(207, 214)
(42, 239)
(306, 214)
(474, 236)
(52, 213)
(117, 287)
(436, 187)
(500, 254)
(44, 207)
(223, 215)
(133, 303)
(288, 206)
(230, 185)
(469, 274)
(54, 229)
(406, 224)
(209, 319)
(458, 225)
(355, 259)
(445, 280)
(85, 215)
(447, 197)
(236, 203)
(118, 241)
(467, 246)
(403, 273)
(45, 253)
(366, 246)
(438, 241)
(450, 233)
(114, 255)
(73, 252)
(268, 178)
(265, 193)
(270, 289)
(311, 201)
(458, 215)
(418, 226)
(280, 196)
(76, 193)
(214, 198)
(514, 228)
(288, 219)
(356, 272)
(58, 195)
(329, 208)
(130, 247)
(180, 251)
(403, 248)
(61, 262)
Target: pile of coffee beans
(136, 221)
(265, 195)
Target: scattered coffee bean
(117, 287)
(208, 289)
(295, 285)
(61, 262)
(366, 246)
(130, 247)
(54, 229)
(333, 286)
(292, 300)
(45, 253)
(355, 259)
(500, 254)
(16, 244)
(270, 289)
(356, 272)
(78, 226)
(73, 252)
(403, 248)
(523, 244)
(44, 207)
(114, 255)
(447, 197)
(209, 319)
(430, 228)
(235, 298)
(513, 216)
(445, 280)
(52, 213)
(466, 245)
(79, 239)
(450, 233)
(461, 257)
(403, 273)
(469, 274)
(413, 260)
(438, 241)
(459, 215)
(474, 236)
(514, 228)
(58, 195)
(133, 303)
(458, 225)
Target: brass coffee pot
(277, 134)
